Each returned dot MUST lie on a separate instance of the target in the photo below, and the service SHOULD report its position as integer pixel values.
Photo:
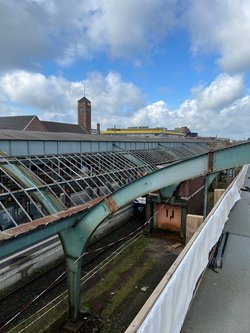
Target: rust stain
(210, 161)
(111, 205)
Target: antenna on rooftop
(84, 89)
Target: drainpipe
(206, 185)
(183, 220)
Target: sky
(157, 63)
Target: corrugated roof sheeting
(18, 143)
(32, 135)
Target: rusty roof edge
(46, 221)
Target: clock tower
(84, 113)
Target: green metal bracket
(208, 180)
(168, 191)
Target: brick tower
(84, 113)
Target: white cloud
(223, 91)
(23, 34)
(127, 26)
(156, 114)
(114, 101)
(218, 109)
(35, 91)
(55, 98)
(222, 27)
(33, 31)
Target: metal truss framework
(72, 179)
(206, 164)
(80, 227)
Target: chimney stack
(98, 128)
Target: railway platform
(222, 301)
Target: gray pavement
(222, 302)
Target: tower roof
(84, 99)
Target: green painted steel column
(74, 245)
(148, 216)
(206, 185)
(74, 284)
(208, 180)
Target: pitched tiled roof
(63, 127)
(15, 122)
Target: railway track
(99, 253)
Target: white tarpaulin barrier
(169, 310)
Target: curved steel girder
(82, 230)
(26, 178)
(211, 177)
(74, 239)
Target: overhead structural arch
(207, 163)
(76, 228)
(74, 239)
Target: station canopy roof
(73, 179)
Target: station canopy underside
(73, 179)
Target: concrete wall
(192, 224)
(217, 194)
(168, 217)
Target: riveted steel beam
(75, 238)
(15, 239)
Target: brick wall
(84, 115)
(188, 187)
(36, 125)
